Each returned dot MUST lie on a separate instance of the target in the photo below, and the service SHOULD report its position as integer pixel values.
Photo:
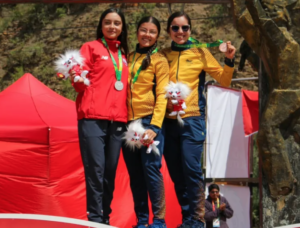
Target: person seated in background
(217, 208)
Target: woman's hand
(230, 50)
(222, 206)
(151, 135)
(169, 106)
(72, 76)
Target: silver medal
(119, 85)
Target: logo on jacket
(104, 57)
(189, 61)
(124, 61)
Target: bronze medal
(223, 47)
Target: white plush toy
(133, 136)
(178, 92)
(71, 60)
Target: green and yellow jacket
(188, 65)
(147, 95)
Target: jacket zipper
(178, 66)
(132, 87)
(131, 100)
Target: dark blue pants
(183, 151)
(146, 178)
(100, 145)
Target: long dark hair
(123, 36)
(213, 186)
(178, 14)
(147, 60)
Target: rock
(268, 29)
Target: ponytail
(147, 60)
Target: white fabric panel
(227, 146)
(239, 200)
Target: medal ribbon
(218, 204)
(140, 68)
(118, 71)
(197, 44)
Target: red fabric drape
(250, 111)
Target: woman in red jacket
(102, 111)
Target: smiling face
(178, 31)
(147, 34)
(112, 26)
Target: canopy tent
(41, 170)
(40, 166)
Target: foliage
(4, 23)
(18, 72)
(217, 13)
(61, 12)
(148, 8)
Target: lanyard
(140, 68)
(118, 71)
(216, 221)
(197, 44)
(218, 204)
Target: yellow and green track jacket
(188, 65)
(147, 95)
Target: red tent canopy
(41, 170)
(40, 165)
(33, 113)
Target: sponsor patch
(104, 57)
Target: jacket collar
(142, 50)
(210, 199)
(174, 48)
(112, 44)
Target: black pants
(100, 143)
(146, 178)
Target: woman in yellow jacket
(149, 75)
(184, 144)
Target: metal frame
(250, 181)
(117, 1)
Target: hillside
(33, 35)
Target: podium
(45, 221)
